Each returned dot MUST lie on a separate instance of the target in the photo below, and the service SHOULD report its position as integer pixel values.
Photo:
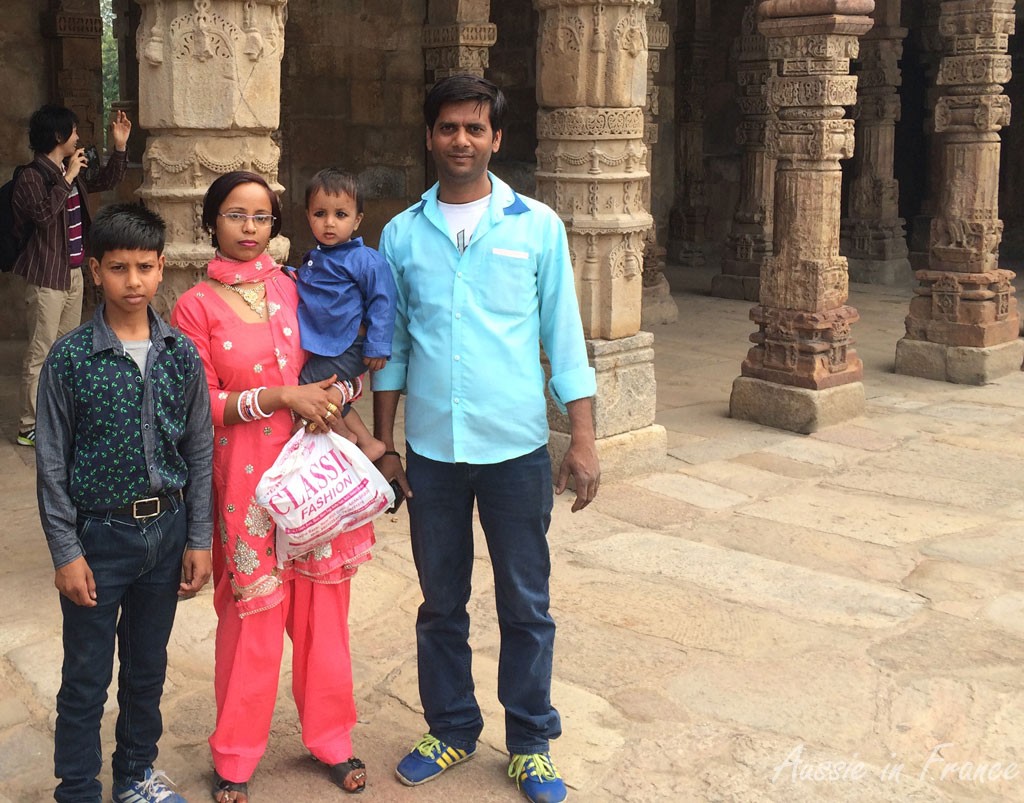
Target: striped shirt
(41, 198)
(76, 249)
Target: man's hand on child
(75, 581)
(196, 568)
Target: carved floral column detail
(963, 323)
(873, 236)
(209, 95)
(802, 372)
(459, 47)
(658, 304)
(750, 240)
(592, 69)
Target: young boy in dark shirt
(124, 461)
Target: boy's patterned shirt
(106, 435)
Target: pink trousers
(248, 655)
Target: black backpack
(13, 238)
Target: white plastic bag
(320, 485)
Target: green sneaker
(27, 438)
(428, 758)
(537, 778)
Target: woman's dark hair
(127, 226)
(50, 126)
(459, 88)
(333, 181)
(221, 189)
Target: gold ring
(328, 414)
(332, 407)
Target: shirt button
(459, 274)
(458, 315)
(455, 400)
(138, 380)
(310, 263)
(457, 358)
(145, 426)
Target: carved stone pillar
(209, 95)
(592, 169)
(963, 322)
(458, 37)
(931, 54)
(802, 372)
(658, 305)
(73, 30)
(690, 210)
(873, 236)
(750, 240)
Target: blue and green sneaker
(428, 758)
(537, 778)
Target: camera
(93, 169)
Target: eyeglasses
(239, 218)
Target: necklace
(255, 297)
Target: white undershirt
(462, 219)
(137, 350)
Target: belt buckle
(139, 506)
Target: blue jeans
(514, 500)
(137, 568)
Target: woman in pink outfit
(243, 320)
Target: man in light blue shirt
(484, 279)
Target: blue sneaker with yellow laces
(428, 758)
(537, 778)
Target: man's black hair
(333, 181)
(459, 88)
(126, 226)
(50, 126)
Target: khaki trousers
(50, 314)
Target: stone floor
(772, 617)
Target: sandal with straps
(349, 775)
(229, 791)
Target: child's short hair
(127, 226)
(49, 126)
(335, 182)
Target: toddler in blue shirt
(346, 295)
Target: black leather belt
(143, 508)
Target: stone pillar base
(731, 285)
(624, 456)
(963, 365)
(658, 304)
(794, 409)
(881, 271)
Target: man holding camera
(49, 199)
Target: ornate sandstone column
(658, 305)
(751, 238)
(690, 211)
(209, 95)
(592, 169)
(802, 372)
(72, 30)
(963, 322)
(930, 44)
(458, 37)
(873, 236)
